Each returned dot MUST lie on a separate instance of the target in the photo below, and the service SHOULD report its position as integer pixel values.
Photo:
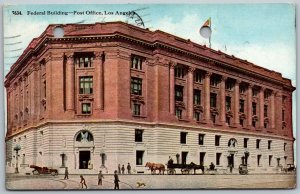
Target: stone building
(111, 93)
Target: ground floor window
(139, 157)
(202, 157)
(270, 160)
(218, 158)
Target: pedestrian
(82, 181)
(66, 173)
(129, 168)
(100, 177)
(116, 181)
(123, 169)
(119, 168)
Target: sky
(264, 34)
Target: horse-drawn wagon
(184, 168)
(43, 170)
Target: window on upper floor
(265, 110)
(178, 113)
(257, 143)
(179, 71)
(197, 97)
(253, 108)
(213, 100)
(201, 139)
(198, 77)
(183, 136)
(242, 89)
(84, 61)
(246, 142)
(139, 135)
(178, 93)
(136, 109)
(228, 103)
(136, 86)
(217, 140)
(214, 81)
(267, 94)
(229, 85)
(86, 85)
(269, 144)
(136, 62)
(242, 105)
(197, 115)
(284, 146)
(254, 92)
(86, 108)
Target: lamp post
(17, 148)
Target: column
(278, 113)
(172, 89)
(98, 80)
(272, 110)
(190, 93)
(70, 83)
(207, 96)
(222, 100)
(249, 103)
(236, 116)
(261, 107)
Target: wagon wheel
(35, 172)
(53, 173)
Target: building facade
(111, 93)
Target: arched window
(232, 143)
(84, 136)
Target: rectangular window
(197, 97)
(178, 93)
(179, 71)
(139, 157)
(253, 108)
(253, 124)
(284, 146)
(136, 62)
(246, 142)
(265, 110)
(269, 144)
(202, 158)
(218, 158)
(270, 160)
(139, 135)
(184, 157)
(254, 92)
(214, 81)
(86, 108)
(201, 139)
(217, 140)
(136, 109)
(258, 160)
(229, 85)
(86, 85)
(178, 113)
(242, 90)
(257, 143)
(84, 61)
(228, 103)
(197, 116)
(213, 118)
(213, 100)
(198, 77)
(242, 122)
(267, 94)
(228, 120)
(183, 136)
(136, 86)
(242, 103)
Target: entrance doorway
(184, 157)
(84, 158)
(231, 160)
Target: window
(184, 157)
(228, 103)
(179, 71)
(269, 144)
(178, 113)
(217, 140)
(201, 139)
(136, 86)
(265, 110)
(197, 97)
(257, 143)
(178, 93)
(139, 157)
(202, 158)
(197, 116)
(84, 61)
(282, 115)
(242, 90)
(229, 85)
(86, 108)
(242, 122)
(228, 120)
(242, 103)
(246, 142)
(198, 77)
(214, 81)
(258, 160)
(267, 94)
(136, 109)
(183, 136)
(254, 92)
(253, 108)
(138, 135)
(270, 160)
(218, 158)
(213, 118)
(213, 100)
(284, 146)
(136, 62)
(86, 85)
(253, 123)
(265, 125)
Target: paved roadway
(37, 182)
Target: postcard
(150, 96)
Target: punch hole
(58, 32)
(205, 31)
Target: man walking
(100, 177)
(66, 173)
(123, 169)
(82, 181)
(129, 168)
(116, 181)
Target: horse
(156, 166)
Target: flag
(207, 23)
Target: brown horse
(156, 166)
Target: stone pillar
(261, 108)
(98, 80)
(172, 89)
(272, 110)
(190, 93)
(207, 97)
(278, 113)
(222, 100)
(236, 116)
(249, 103)
(70, 82)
